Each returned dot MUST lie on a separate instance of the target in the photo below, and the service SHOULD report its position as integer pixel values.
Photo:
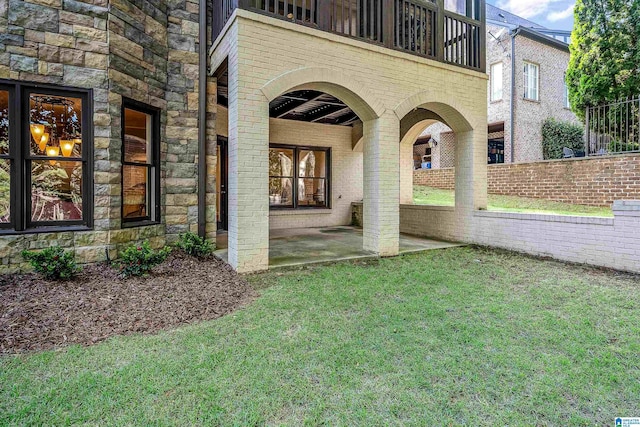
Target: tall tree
(605, 56)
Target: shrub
(556, 135)
(137, 260)
(622, 147)
(194, 245)
(52, 263)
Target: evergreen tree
(605, 56)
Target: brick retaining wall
(605, 242)
(585, 181)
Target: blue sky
(555, 14)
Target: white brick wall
(269, 57)
(346, 170)
(605, 242)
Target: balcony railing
(420, 27)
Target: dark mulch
(36, 314)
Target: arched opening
(443, 156)
(314, 174)
(302, 135)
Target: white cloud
(562, 14)
(530, 8)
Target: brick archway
(449, 110)
(344, 87)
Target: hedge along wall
(595, 181)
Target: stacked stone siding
(586, 181)
(145, 50)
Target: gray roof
(498, 15)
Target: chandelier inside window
(55, 126)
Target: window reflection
(297, 177)
(457, 6)
(281, 177)
(5, 190)
(135, 191)
(5, 163)
(55, 133)
(56, 191)
(312, 172)
(138, 166)
(55, 125)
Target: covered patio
(299, 246)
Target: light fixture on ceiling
(58, 137)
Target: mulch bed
(36, 314)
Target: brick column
(470, 178)
(381, 219)
(406, 173)
(248, 171)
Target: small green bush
(194, 245)
(556, 135)
(137, 260)
(623, 147)
(52, 263)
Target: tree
(605, 56)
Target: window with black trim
(299, 177)
(46, 142)
(140, 164)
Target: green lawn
(423, 195)
(452, 337)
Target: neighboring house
(118, 123)
(526, 64)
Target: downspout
(513, 92)
(202, 120)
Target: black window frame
(296, 176)
(21, 158)
(153, 169)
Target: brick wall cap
(572, 159)
(627, 206)
(429, 208)
(546, 217)
(310, 211)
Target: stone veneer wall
(145, 50)
(586, 181)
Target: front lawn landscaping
(99, 302)
(461, 336)
(423, 195)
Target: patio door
(222, 169)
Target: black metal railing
(613, 128)
(420, 27)
(415, 26)
(463, 41)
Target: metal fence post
(587, 141)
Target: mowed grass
(423, 195)
(453, 337)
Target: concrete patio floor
(299, 246)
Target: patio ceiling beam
(296, 102)
(337, 113)
(322, 112)
(297, 98)
(354, 118)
